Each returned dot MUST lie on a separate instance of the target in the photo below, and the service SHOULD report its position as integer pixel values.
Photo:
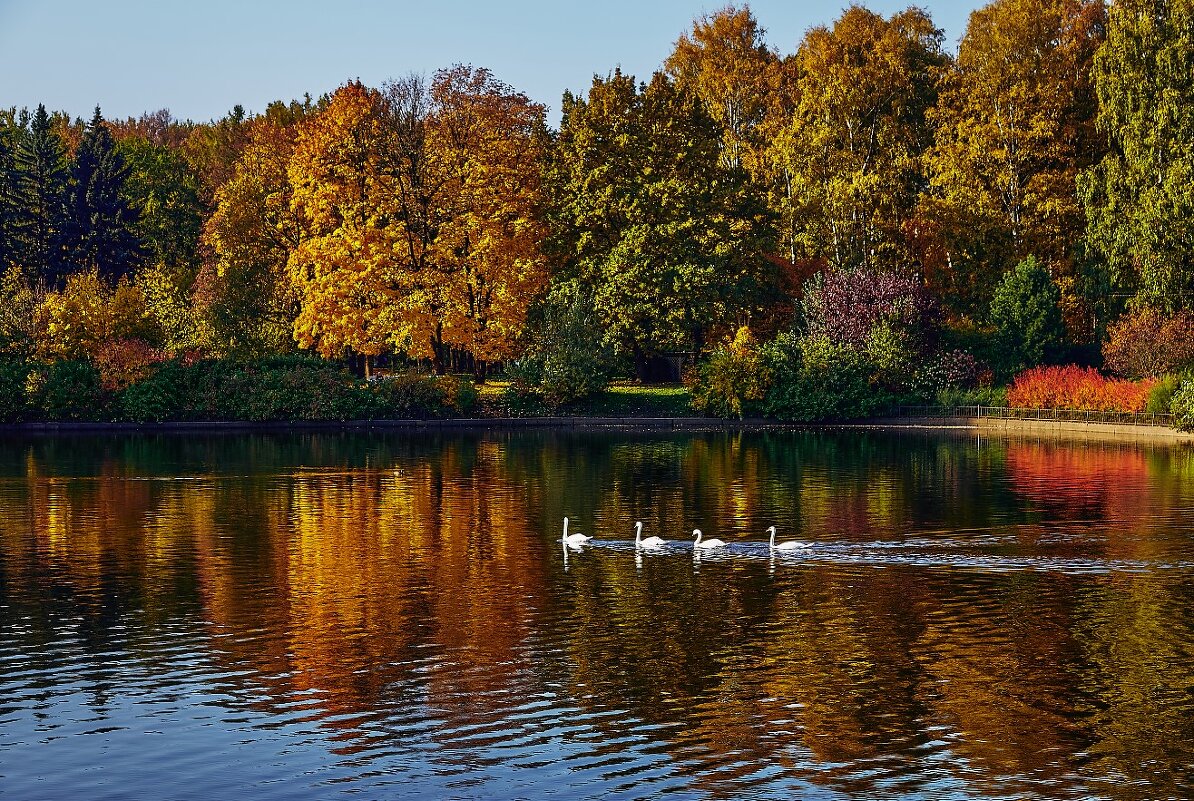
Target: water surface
(392, 616)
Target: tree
(344, 268)
(243, 290)
(725, 62)
(40, 198)
(488, 142)
(1014, 126)
(8, 178)
(1026, 314)
(853, 145)
(165, 194)
(646, 214)
(100, 231)
(1140, 198)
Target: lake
(384, 615)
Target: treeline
(989, 211)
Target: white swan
(790, 545)
(705, 545)
(649, 542)
(574, 540)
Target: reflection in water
(393, 615)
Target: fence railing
(1060, 415)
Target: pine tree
(38, 195)
(101, 222)
(8, 174)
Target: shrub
(67, 390)
(566, 359)
(415, 395)
(1182, 405)
(1027, 316)
(13, 375)
(1147, 344)
(1079, 388)
(125, 361)
(846, 305)
(978, 396)
(1160, 397)
(814, 378)
(734, 377)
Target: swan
(790, 545)
(705, 545)
(573, 539)
(649, 542)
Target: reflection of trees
(380, 575)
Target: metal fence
(1060, 415)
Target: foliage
(733, 379)
(13, 375)
(849, 156)
(1026, 316)
(76, 322)
(1182, 405)
(1013, 127)
(647, 216)
(815, 379)
(122, 362)
(977, 396)
(413, 394)
(18, 308)
(1160, 398)
(1079, 388)
(1147, 343)
(566, 359)
(100, 232)
(67, 390)
(846, 305)
(40, 198)
(1140, 198)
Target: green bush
(68, 390)
(815, 379)
(1182, 405)
(412, 395)
(1160, 398)
(13, 404)
(977, 396)
(566, 359)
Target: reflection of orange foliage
(1080, 388)
(1073, 475)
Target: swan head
(771, 531)
(638, 525)
(638, 532)
(696, 532)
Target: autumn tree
(853, 147)
(1140, 198)
(647, 215)
(1014, 126)
(725, 62)
(487, 142)
(100, 230)
(243, 291)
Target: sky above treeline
(199, 59)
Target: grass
(623, 399)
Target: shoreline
(1002, 426)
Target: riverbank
(985, 426)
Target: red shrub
(1079, 388)
(126, 361)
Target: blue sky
(200, 57)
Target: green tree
(100, 232)
(39, 198)
(165, 193)
(1140, 199)
(1026, 314)
(646, 214)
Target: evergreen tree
(101, 222)
(39, 188)
(8, 132)
(1026, 314)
